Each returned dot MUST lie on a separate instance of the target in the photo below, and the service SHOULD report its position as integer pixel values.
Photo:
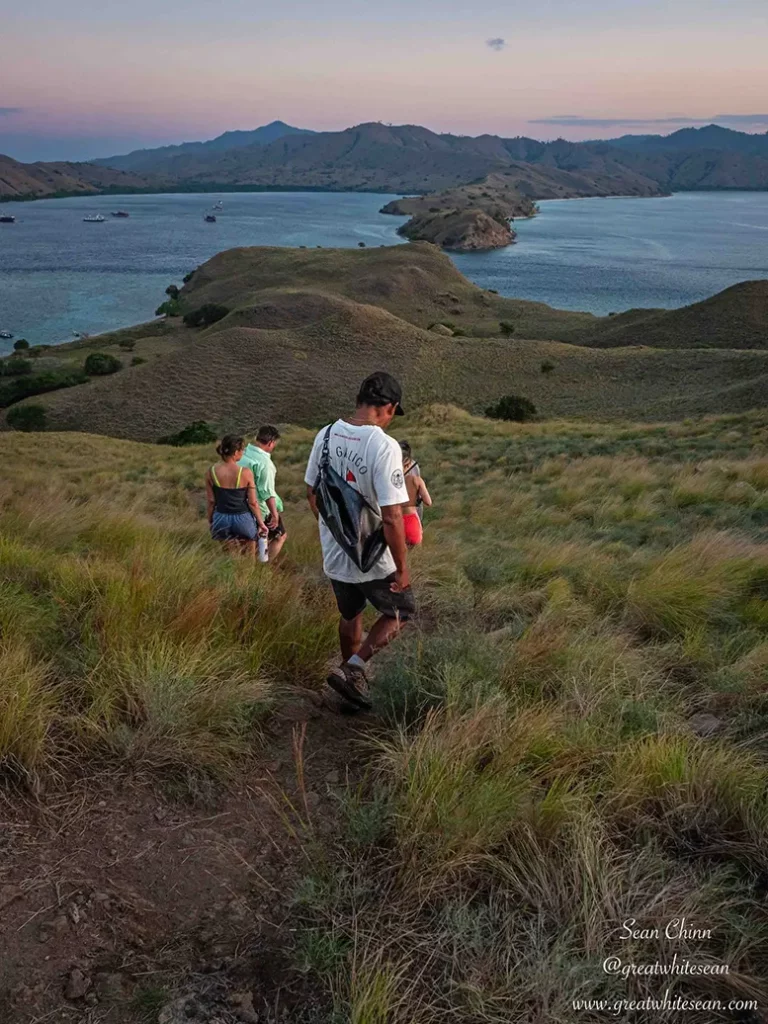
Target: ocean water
(59, 275)
(607, 255)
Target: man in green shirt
(258, 458)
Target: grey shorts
(351, 598)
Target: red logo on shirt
(351, 478)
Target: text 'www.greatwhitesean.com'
(668, 1002)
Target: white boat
(218, 206)
(94, 218)
(6, 335)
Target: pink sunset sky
(108, 77)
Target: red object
(413, 531)
(351, 478)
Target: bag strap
(325, 457)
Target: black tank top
(231, 501)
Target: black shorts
(395, 604)
(277, 531)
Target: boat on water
(7, 219)
(6, 335)
(120, 213)
(209, 217)
(94, 218)
(218, 205)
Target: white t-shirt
(371, 462)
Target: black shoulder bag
(355, 526)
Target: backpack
(355, 526)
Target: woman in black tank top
(233, 511)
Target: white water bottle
(263, 548)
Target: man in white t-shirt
(372, 463)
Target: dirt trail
(115, 896)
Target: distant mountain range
(149, 159)
(411, 159)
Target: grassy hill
(38, 180)
(300, 321)
(571, 735)
(734, 318)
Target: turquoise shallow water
(59, 274)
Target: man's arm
(394, 534)
(312, 501)
(209, 498)
(274, 515)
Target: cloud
(7, 111)
(573, 120)
(496, 44)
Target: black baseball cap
(381, 388)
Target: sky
(105, 76)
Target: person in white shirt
(372, 463)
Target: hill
(571, 734)
(141, 159)
(38, 180)
(736, 318)
(410, 158)
(299, 319)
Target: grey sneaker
(350, 682)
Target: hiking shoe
(350, 682)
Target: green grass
(585, 589)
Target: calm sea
(59, 275)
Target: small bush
(128, 344)
(101, 364)
(507, 329)
(22, 345)
(169, 308)
(137, 361)
(172, 291)
(188, 277)
(361, 245)
(198, 432)
(547, 367)
(15, 367)
(37, 384)
(512, 407)
(206, 315)
(26, 417)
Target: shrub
(38, 383)
(512, 407)
(15, 367)
(101, 364)
(187, 277)
(361, 245)
(26, 417)
(205, 315)
(172, 291)
(137, 361)
(169, 308)
(507, 329)
(21, 345)
(198, 432)
(547, 367)
(127, 343)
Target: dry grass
(313, 309)
(586, 590)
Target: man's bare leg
(350, 636)
(276, 546)
(383, 631)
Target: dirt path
(119, 900)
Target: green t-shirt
(264, 473)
